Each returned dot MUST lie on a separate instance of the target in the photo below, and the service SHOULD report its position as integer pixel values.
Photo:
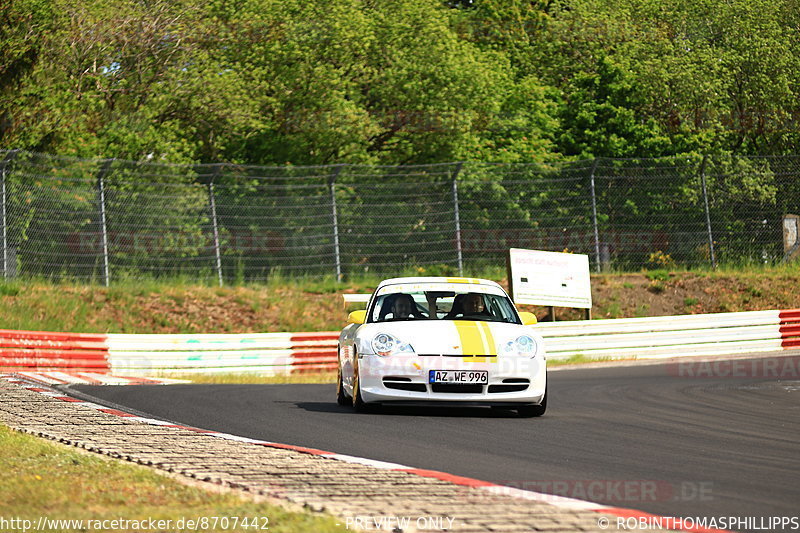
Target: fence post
(594, 216)
(457, 216)
(708, 213)
(213, 204)
(3, 212)
(101, 199)
(332, 183)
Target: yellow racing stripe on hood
(476, 339)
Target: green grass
(9, 289)
(745, 269)
(578, 359)
(612, 310)
(657, 275)
(43, 479)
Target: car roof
(471, 281)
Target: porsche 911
(442, 340)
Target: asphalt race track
(686, 441)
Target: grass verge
(579, 359)
(44, 479)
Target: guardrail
(42, 349)
(673, 336)
(283, 353)
(263, 353)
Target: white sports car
(454, 340)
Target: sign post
(550, 279)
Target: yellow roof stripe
(463, 280)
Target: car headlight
(524, 346)
(385, 344)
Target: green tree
(23, 24)
(603, 117)
(356, 81)
(713, 77)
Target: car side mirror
(528, 319)
(359, 317)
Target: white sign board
(550, 278)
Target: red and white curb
(492, 488)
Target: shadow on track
(405, 410)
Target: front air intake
(457, 388)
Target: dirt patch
(232, 310)
(665, 294)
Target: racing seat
(386, 307)
(457, 309)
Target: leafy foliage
(414, 81)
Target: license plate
(480, 377)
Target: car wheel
(358, 401)
(530, 411)
(341, 397)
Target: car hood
(449, 337)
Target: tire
(341, 397)
(358, 402)
(532, 411)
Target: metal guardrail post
(337, 253)
(457, 216)
(594, 216)
(708, 213)
(3, 206)
(213, 204)
(101, 199)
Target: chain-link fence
(67, 218)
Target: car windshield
(443, 305)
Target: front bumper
(383, 379)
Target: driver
(403, 306)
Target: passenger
(470, 304)
(473, 304)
